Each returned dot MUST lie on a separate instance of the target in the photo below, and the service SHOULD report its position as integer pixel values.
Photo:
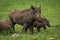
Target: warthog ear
(32, 7)
(40, 7)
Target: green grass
(50, 9)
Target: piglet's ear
(32, 7)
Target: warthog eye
(39, 21)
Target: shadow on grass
(57, 26)
(9, 32)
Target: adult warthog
(25, 17)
